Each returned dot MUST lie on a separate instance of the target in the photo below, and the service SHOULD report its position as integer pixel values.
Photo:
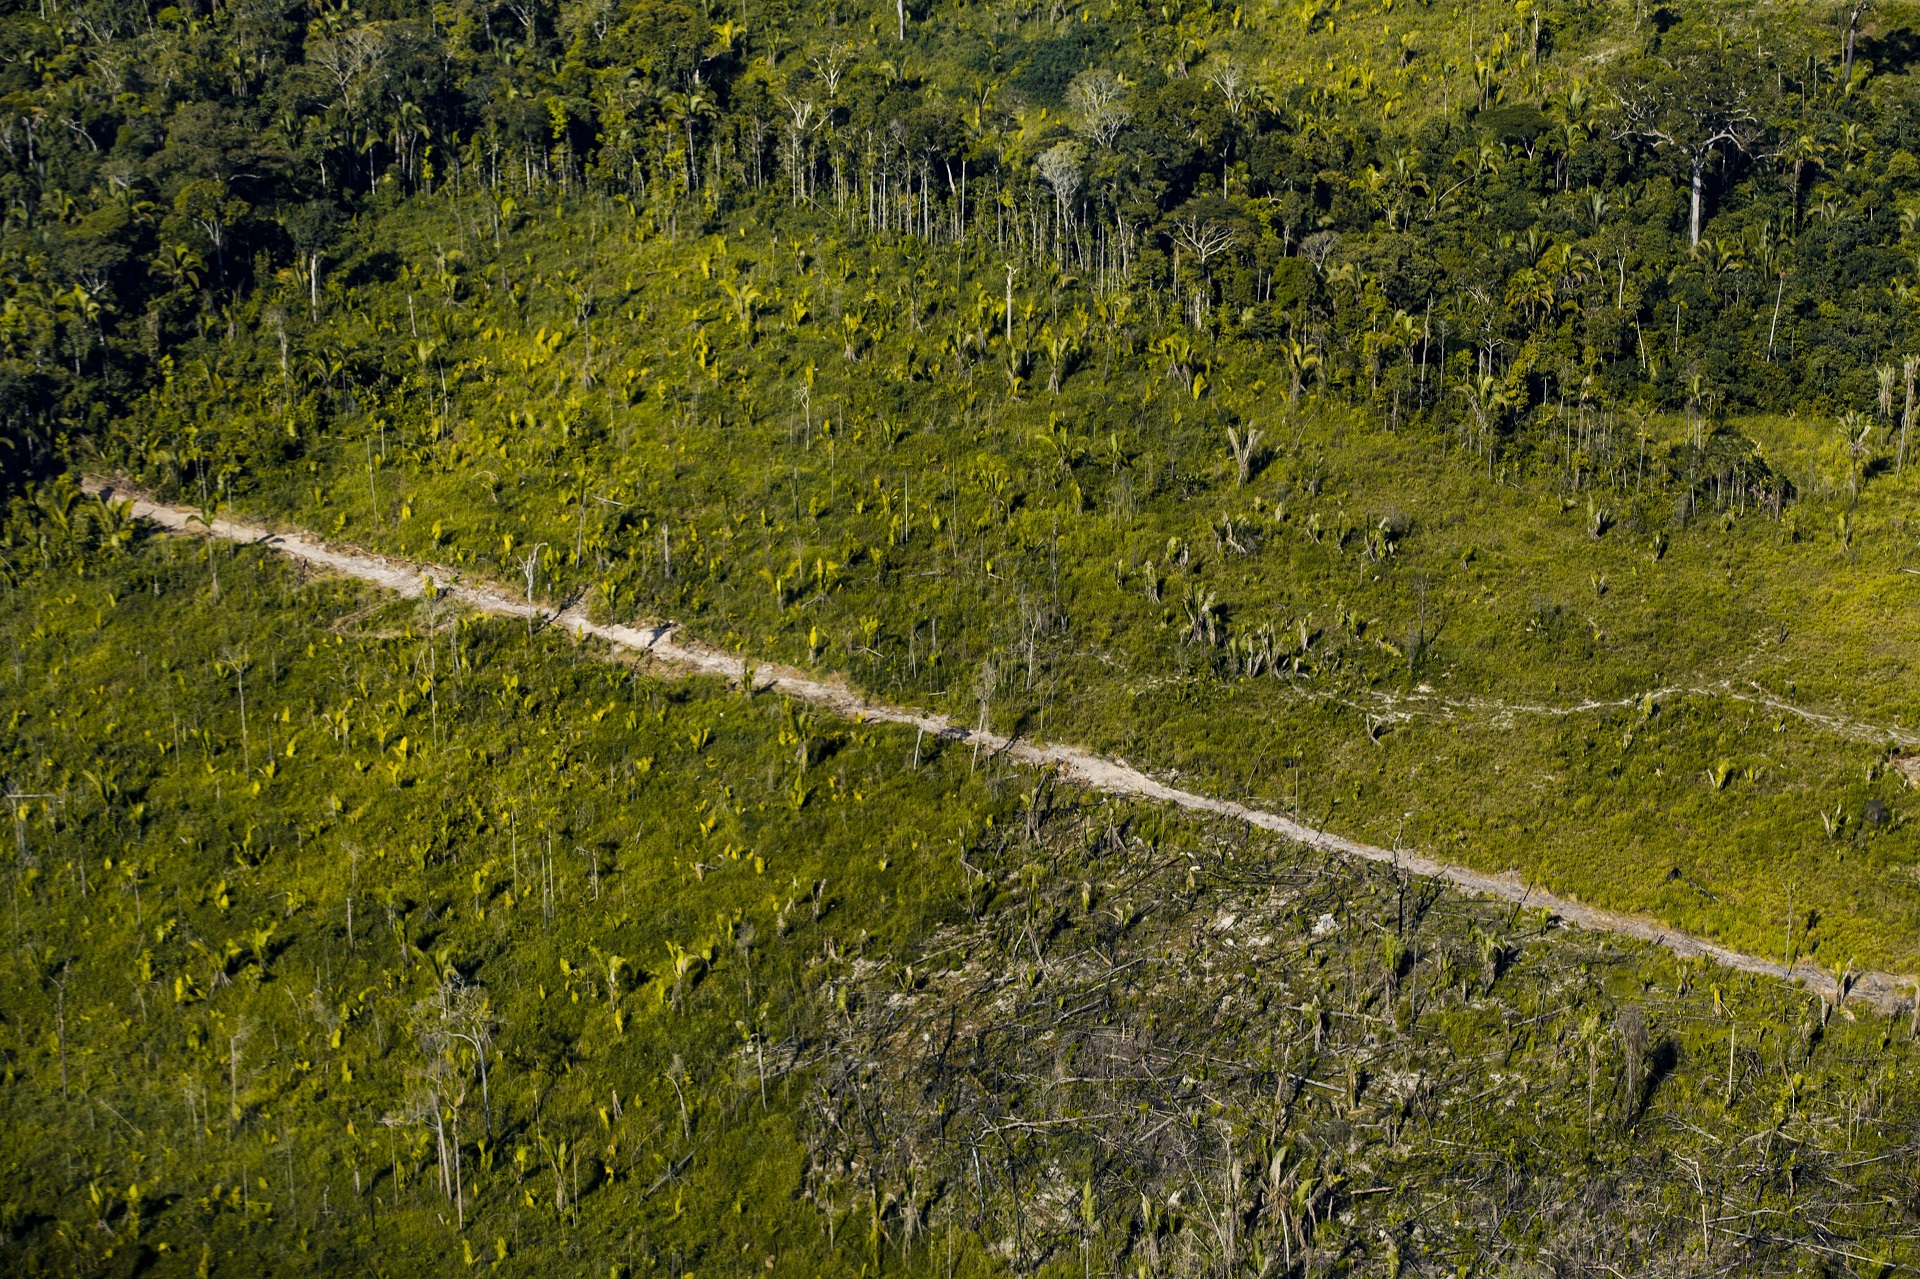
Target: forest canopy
(1466, 211)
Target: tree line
(1474, 225)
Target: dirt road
(1885, 992)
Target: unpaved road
(1886, 992)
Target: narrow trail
(1397, 708)
(1885, 992)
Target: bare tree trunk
(459, 1189)
(440, 1138)
(233, 1075)
(1911, 368)
(1697, 197)
(1773, 328)
(60, 1025)
(1853, 31)
(486, 1099)
(246, 749)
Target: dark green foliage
(154, 188)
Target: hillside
(1472, 428)
(352, 933)
(1331, 408)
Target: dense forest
(1475, 214)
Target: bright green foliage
(750, 986)
(246, 996)
(1367, 621)
(1197, 383)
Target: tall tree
(1855, 10)
(1697, 104)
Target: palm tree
(685, 110)
(1301, 360)
(1202, 608)
(1244, 450)
(1803, 150)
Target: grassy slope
(191, 884)
(240, 926)
(1038, 522)
(1518, 603)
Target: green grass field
(757, 996)
(1368, 629)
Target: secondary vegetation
(1326, 402)
(351, 934)
(1474, 426)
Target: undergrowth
(761, 991)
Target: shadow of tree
(1891, 52)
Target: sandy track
(1886, 992)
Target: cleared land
(756, 993)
